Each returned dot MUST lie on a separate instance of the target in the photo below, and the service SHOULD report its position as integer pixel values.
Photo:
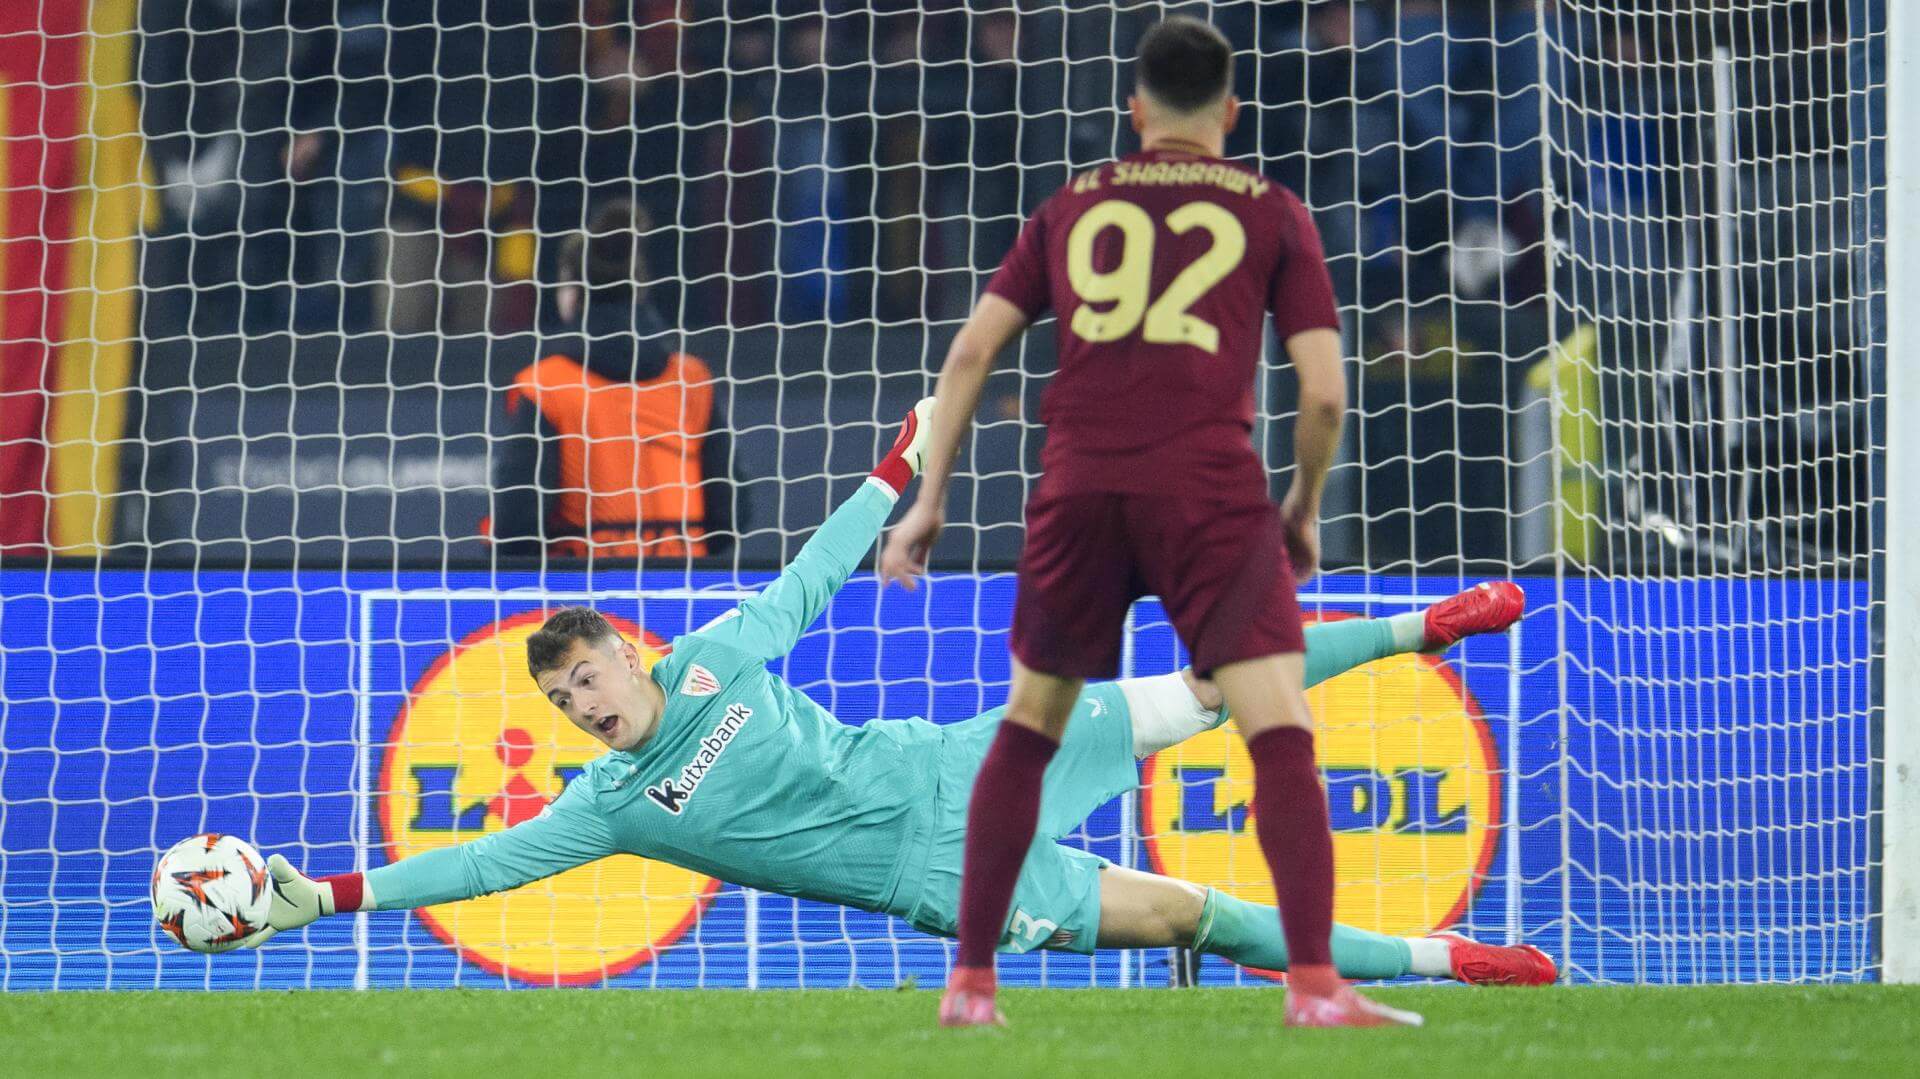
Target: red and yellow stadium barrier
(71, 207)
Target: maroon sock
(1001, 819)
(349, 891)
(1291, 811)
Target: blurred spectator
(810, 164)
(484, 111)
(232, 98)
(634, 139)
(1354, 182)
(794, 130)
(342, 178)
(899, 185)
(440, 253)
(611, 448)
(970, 151)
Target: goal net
(1715, 198)
(1610, 275)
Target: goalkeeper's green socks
(1250, 935)
(1338, 646)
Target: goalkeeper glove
(904, 461)
(300, 900)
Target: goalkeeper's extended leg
(1145, 910)
(1169, 709)
(1254, 649)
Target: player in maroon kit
(1161, 268)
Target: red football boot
(1484, 608)
(1323, 999)
(1498, 964)
(968, 1001)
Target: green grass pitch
(1674, 1033)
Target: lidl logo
(1413, 791)
(476, 749)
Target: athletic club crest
(699, 682)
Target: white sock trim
(884, 487)
(1430, 958)
(1164, 713)
(1409, 631)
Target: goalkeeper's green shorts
(1056, 903)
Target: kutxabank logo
(476, 749)
(1413, 785)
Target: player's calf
(1002, 814)
(1249, 934)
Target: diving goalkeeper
(719, 766)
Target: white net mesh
(1716, 193)
(1612, 279)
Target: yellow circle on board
(1414, 786)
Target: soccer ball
(211, 891)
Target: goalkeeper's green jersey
(745, 778)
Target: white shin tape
(1164, 713)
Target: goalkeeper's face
(603, 689)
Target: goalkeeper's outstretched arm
(566, 834)
(995, 322)
(769, 625)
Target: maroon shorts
(1220, 569)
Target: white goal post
(1900, 768)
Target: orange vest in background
(629, 457)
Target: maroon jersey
(1162, 267)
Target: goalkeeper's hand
(298, 900)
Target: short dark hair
(1185, 64)
(549, 645)
(608, 255)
